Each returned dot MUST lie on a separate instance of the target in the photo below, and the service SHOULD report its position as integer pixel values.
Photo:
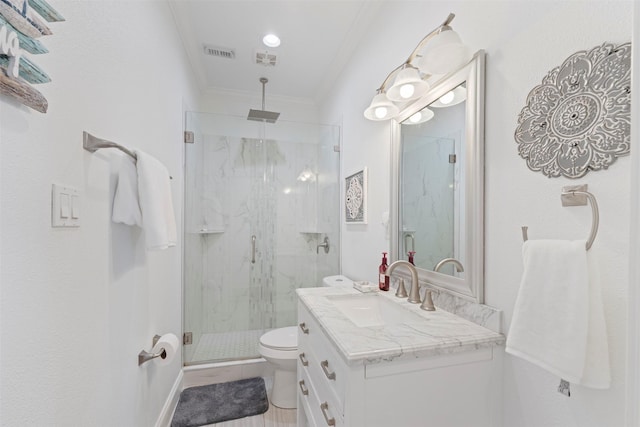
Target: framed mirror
(437, 192)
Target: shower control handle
(253, 249)
(324, 244)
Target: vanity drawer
(320, 412)
(306, 395)
(325, 367)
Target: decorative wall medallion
(355, 198)
(578, 119)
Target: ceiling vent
(220, 52)
(266, 58)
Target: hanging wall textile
(578, 119)
(20, 25)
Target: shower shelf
(311, 232)
(208, 231)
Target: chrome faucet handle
(427, 304)
(414, 294)
(402, 291)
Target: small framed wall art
(355, 198)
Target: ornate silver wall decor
(578, 119)
(355, 198)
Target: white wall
(79, 304)
(235, 103)
(523, 40)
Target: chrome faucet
(459, 267)
(324, 244)
(414, 293)
(427, 304)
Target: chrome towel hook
(577, 195)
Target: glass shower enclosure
(259, 200)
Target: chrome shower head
(263, 115)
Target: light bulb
(407, 91)
(416, 117)
(381, 112)
(447, 97)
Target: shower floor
(228, 346)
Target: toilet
(280, 348)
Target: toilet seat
(282, 339)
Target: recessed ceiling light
(271, 40)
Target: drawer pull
(303, 359)
(330, 421)
(304, 328)
(303, 389)
(325, 368)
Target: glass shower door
(252, 225)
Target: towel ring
(577, 195)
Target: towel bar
(93, 144)
(577, 195)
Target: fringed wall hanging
(21, 24)
(579, 119)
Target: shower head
(263, 115)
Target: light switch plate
(65, 206)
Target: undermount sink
(366, 310)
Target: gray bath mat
(216, 403)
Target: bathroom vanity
(371, 359)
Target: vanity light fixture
(453, 97)
(444, 54)
(271, 40)
(408, 85)
(421, 116)
(381, 108)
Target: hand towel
(126, 208)
(156, 204)
(558, 321)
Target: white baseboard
(164, 419)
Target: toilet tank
(337, 281)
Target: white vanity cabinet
(460, 388)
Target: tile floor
(241, 345)
(274, 417)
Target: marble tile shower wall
(429, 215)
(248, 187)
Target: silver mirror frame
(471, 287)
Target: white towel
(558, 321)
(156, 204)
(126, 208)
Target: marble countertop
(442, 332)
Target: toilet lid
(281, 338)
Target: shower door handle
(411, 237)
(253, 249)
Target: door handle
(253, 249)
